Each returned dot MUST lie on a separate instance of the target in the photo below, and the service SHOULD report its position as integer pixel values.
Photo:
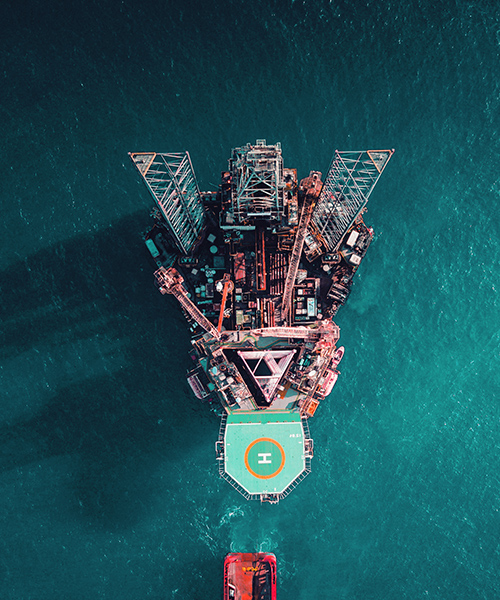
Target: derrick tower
(257, 185)
(348, 185)
(171, 180)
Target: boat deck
(250, 576)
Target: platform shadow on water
(127, 426)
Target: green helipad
(264, 451)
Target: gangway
(313, 183)
(169, 281)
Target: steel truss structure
(171, 180)
(348, 185)
(257, 186)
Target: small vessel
(329, 382)
(337, 357)
(250, 576)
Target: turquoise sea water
(108, 481)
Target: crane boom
(228, 287)
(328, 332)
(314, 187)
(169, 281)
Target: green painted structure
(264, 453)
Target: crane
(226, 286)
(169, 281)
(313, 187)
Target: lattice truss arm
(257, 181)
(172, 182)
(348, 185)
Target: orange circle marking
(278, 470)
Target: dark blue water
(108, 482)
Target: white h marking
(264, 460)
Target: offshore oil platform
(260, 268)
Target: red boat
(337, 357)
(330, 381)
(250, 576)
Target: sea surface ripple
(108, 481)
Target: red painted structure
(250, 576)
